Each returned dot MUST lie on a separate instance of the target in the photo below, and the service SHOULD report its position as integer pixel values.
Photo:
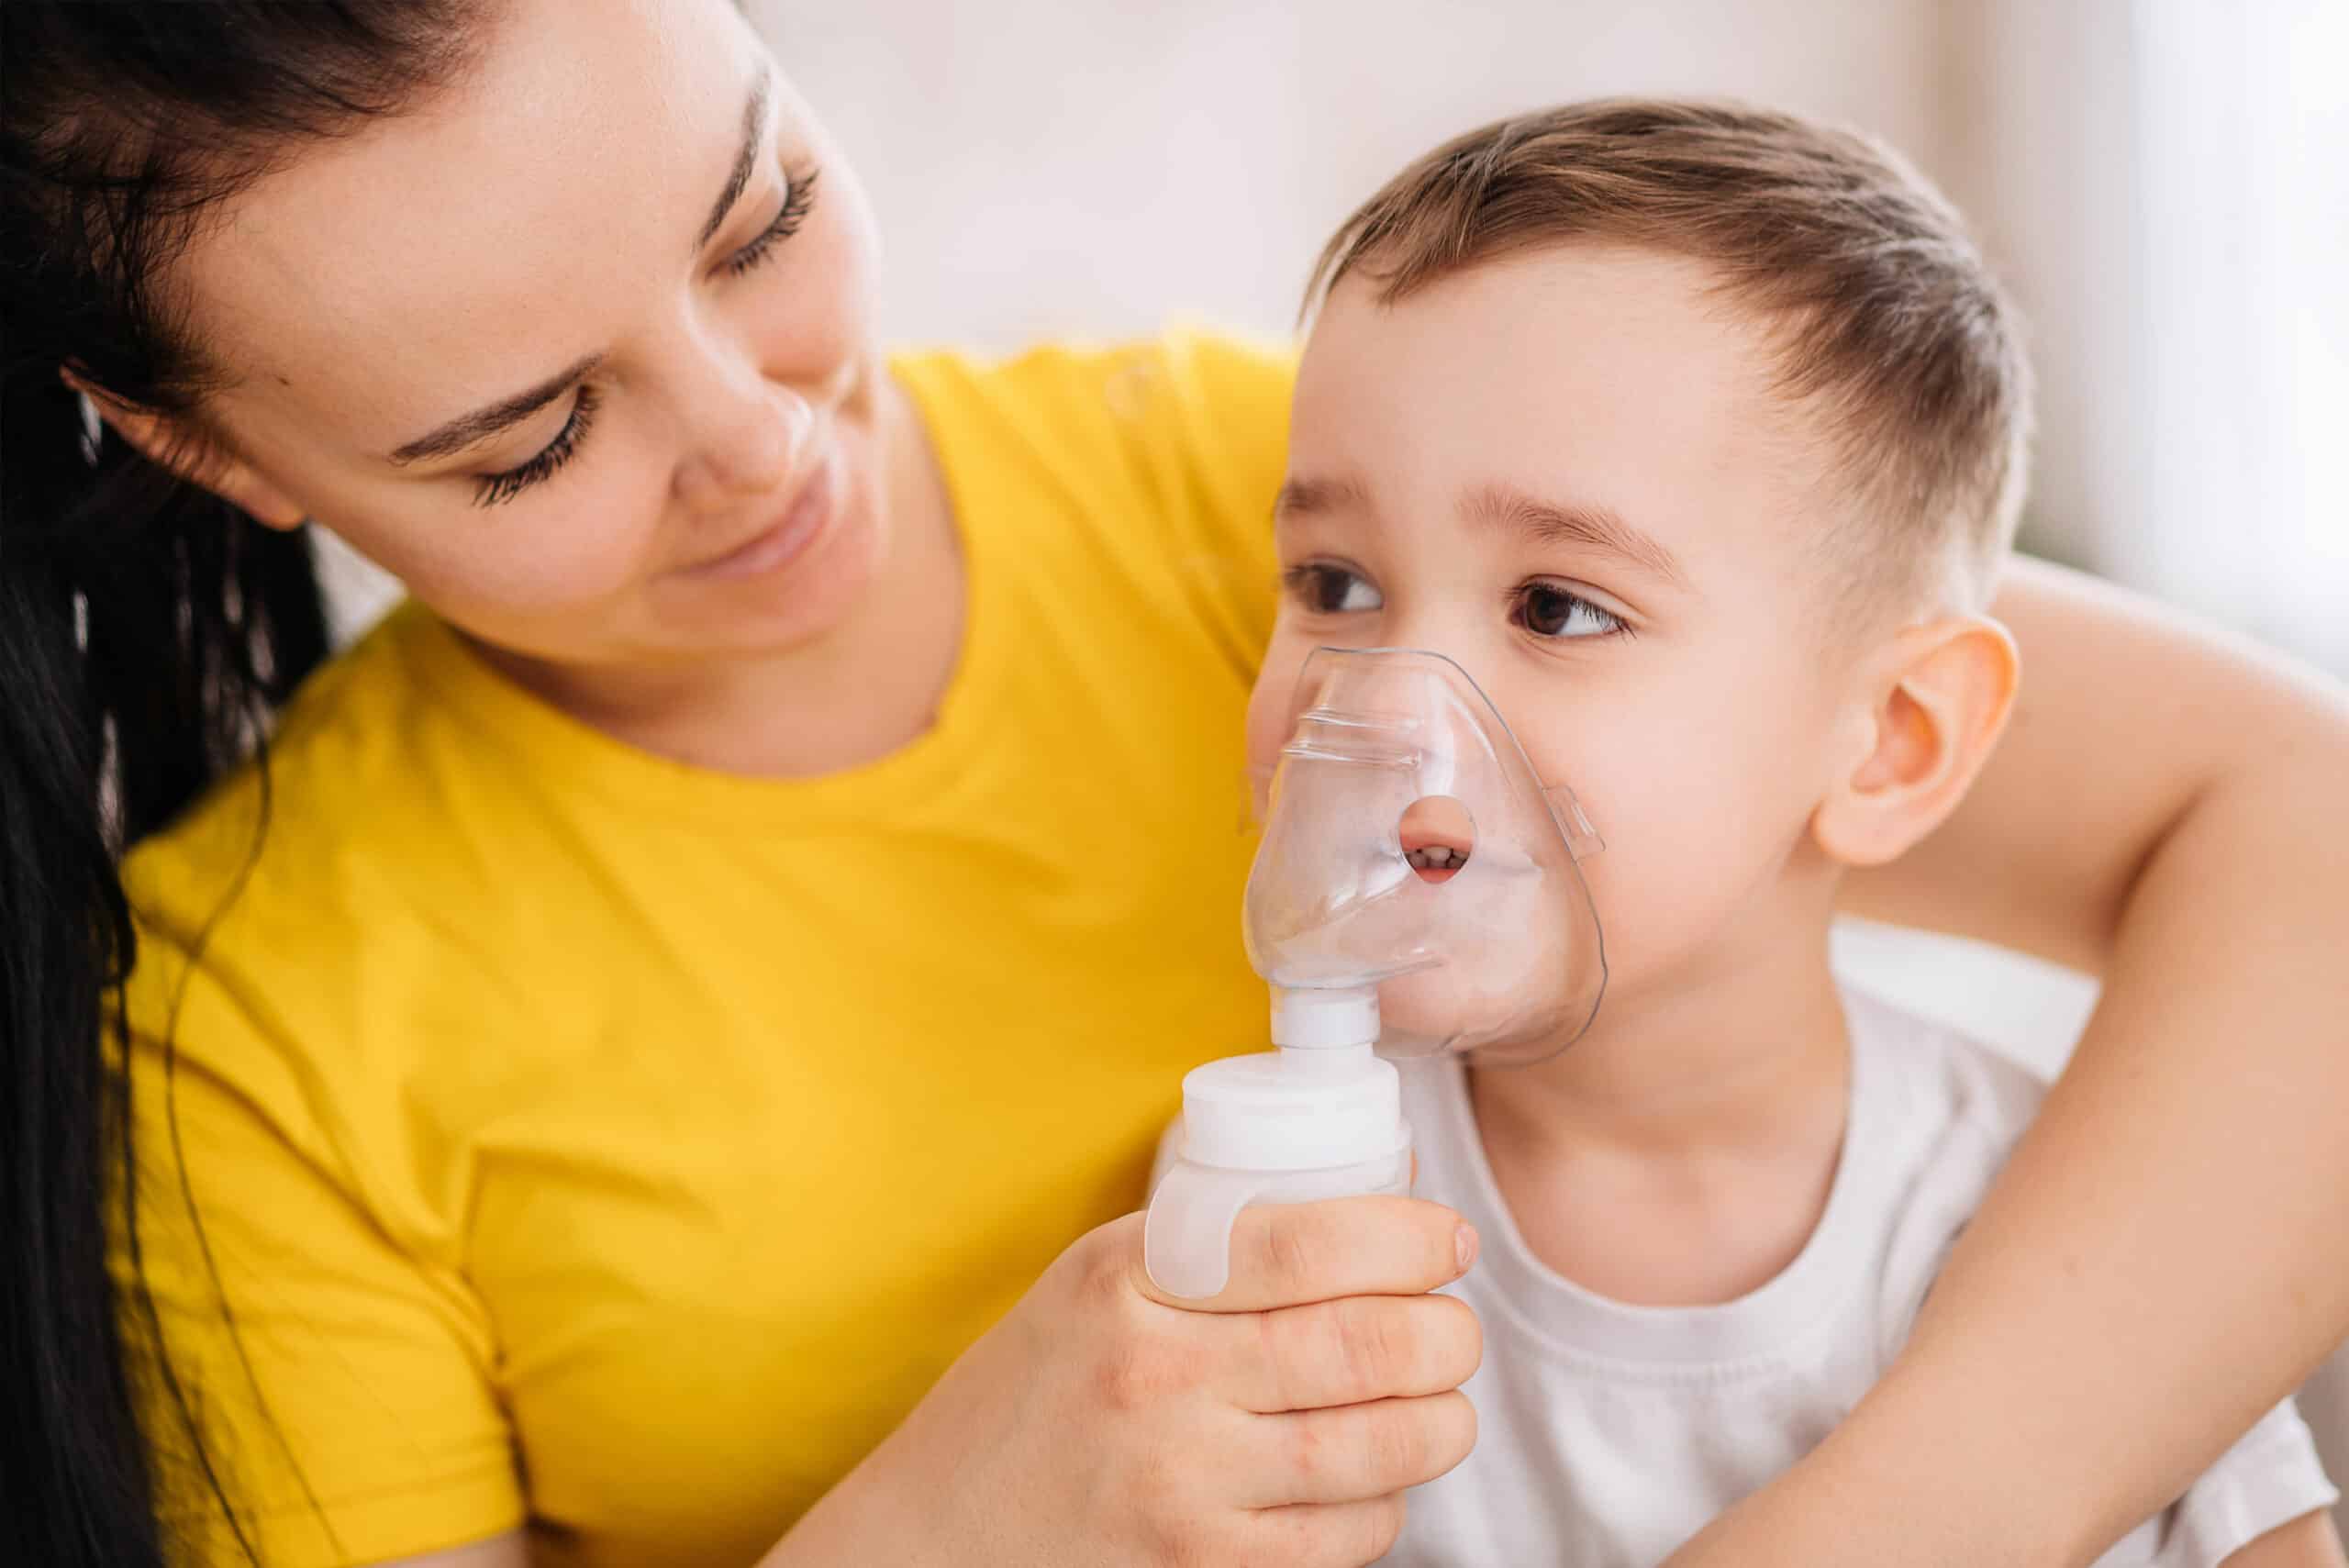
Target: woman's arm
(2308, 1541)
(2163, 1258)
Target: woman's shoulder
(1190, 414)
(1187, 368)
(331, 939)
(349, 797)
(1142, 472)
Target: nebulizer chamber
(1416, 892)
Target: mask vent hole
(1436, 835)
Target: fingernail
(1463, 1246)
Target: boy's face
(1567, 472)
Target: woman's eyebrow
(466, 429)
(754, 126)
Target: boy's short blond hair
(1894, 336)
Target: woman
(697, 967)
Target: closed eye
(1325, 588)
(494, 489)
(798, 203)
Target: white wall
(1045, 168)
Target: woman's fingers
(1326, 1535)
(1357, 1452)
(1356, 1350)
(1097, 1423)
(1291, 1254)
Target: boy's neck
(1702, 1064)
(1683, 1150)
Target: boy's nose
(1442, 627)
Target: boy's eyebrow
(1589, 525)
(1300, 497)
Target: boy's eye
(1546, 609)
(1322, 589)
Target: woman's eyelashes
(798, 201)
(1556, 612)
(492, 489)
(1325, 588)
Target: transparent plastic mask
(1395, 751)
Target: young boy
(1696, 435)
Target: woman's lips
(803, 522)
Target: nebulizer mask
(1416, 892)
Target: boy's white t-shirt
(1608, 1434)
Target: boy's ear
(194, 456)
(1939, 698)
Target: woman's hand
(1100, 1425)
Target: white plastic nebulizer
(1416, 892)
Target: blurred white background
(2165, 184)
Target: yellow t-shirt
(579, 1133)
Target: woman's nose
(744, 441)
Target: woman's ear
(194, 456)
(1937, 703)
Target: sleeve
(2269, 1478)
(317, 1393)
(1231, 417)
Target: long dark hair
(147, 632)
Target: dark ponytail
(147, 632)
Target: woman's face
(580, 350)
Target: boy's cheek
(1269, 720)
(1692, 814)
(1666, 887)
